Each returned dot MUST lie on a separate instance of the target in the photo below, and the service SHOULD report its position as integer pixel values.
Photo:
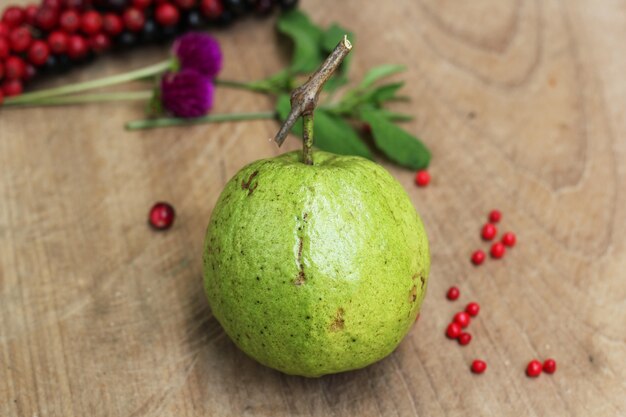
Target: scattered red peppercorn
(497, 250)
(70, 21)
(464, 339)
(495, 216)
(77, 47)
(4, 47)
(453, 330)
(14, 68)
(549, 366)
(478, 257)
(167, 15)
(509, 239)
(472, 309)
(46, 18)
(462, 318)
(12, 88)
(422, 178)
(99, 42)
(489, 231)
(4, 30)
(91, 22)
(478, 366)
(57, 41)
(133, 19)
(29, 14)
(162, 216)
(38, 53)
(212, 8)
(112, 24)
(20, 39)
(13, 16)
(53, 4)
(453, 293)
(534, 368)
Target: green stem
(253, 86)
(167, 122)
(88, 85)
(307, 139)
(85, 98)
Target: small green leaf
(331, 132)
(383, 93)
(398, 145)
(378, 73)
(395, 117)
(307, 38)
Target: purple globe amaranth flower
(199, 51)
(186, 93)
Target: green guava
(315, 269)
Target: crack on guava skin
(301, 278)
(338, 323)
(413, 294)
(247, 185)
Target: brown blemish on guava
(301, 277)
(423, 280)
(413, 294)
(248, 185)
(338, 323)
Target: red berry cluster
(534, 367)
(56, 33)
(488, 233)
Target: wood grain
(523, 103)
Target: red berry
(142, 4)
(549, 366)
(4, 47)
(167, 15)
(77, 47)
(12, 88)
(185, 4)
(478, 366)
(99, 42)
(212, 8)
(57, 41)
(509, 239)
(478, 257)
(162, 216)
(38, 52)
(472, 309)
(53, 4)
(534, 368)
(70, 21)
(4, 30)
(495, 216)
(497, 250)
(30, 72)
(46, 18)
(464, 339)
(29, 14)
(112, 24)
(422, 178)
(453, 330)
(14, 68)
(453, 293)
(76, 4)
(489, 231)
(13, 16)
(133, 19)
(462, 318)
(20, 39)
(91, 22)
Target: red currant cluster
(50, 37)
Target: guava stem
(304, 99)
(307, 138)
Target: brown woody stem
(304, 99)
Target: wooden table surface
(523, 103)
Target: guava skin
(315, 269)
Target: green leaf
(383, 93)
(398, 145)
(331, 37)
(378, 73)
(307, 38)
(331, 132)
